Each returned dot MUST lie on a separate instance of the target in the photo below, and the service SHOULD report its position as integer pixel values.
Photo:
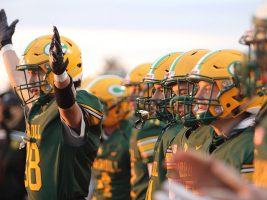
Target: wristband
(62, 77)
(65, 97)
(5, 42)
(8, 47)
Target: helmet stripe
(175, 62)
(158, 61)
(203, 59)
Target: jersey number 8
(33, 178)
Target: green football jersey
(187, 138)
(54, 169)
(142, 146)
(260, 153)
(111, 168)
(159, 171)
(237, 151)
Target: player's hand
(209, 174)
(6, 31)
(56, 57)
(178, 192)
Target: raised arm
(9, 56)
(65, 93)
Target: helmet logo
(116, 90)
(231, 69)
(47, 47)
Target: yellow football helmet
(218, 68)
(108, 88)
(135, 88)
(134, 81)
(177, 75)
(154, 78)
(160, 67)
(183, 65)
(36, 57)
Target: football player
(142, 142)
(218, 101)
(111, 168)
(157, 106)
(63, 124)
(177, 83)
(231, 132)
(208, 176)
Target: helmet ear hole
(228, 105)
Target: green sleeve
(146, 139)
(92, 111)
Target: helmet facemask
(25, 91)
(149, 106)
(178, 84)
(143, 103)
(136, 96)
(180, 108)
(155, 108)
(221, 100)
(205, 102)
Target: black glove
(6, 31)
(58, 66)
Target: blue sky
(133, 31)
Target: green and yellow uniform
(187, 138)
(260, 153)
(56, 169)
(142, 146)
(236, 151)
(111, 168)
(159, 171)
